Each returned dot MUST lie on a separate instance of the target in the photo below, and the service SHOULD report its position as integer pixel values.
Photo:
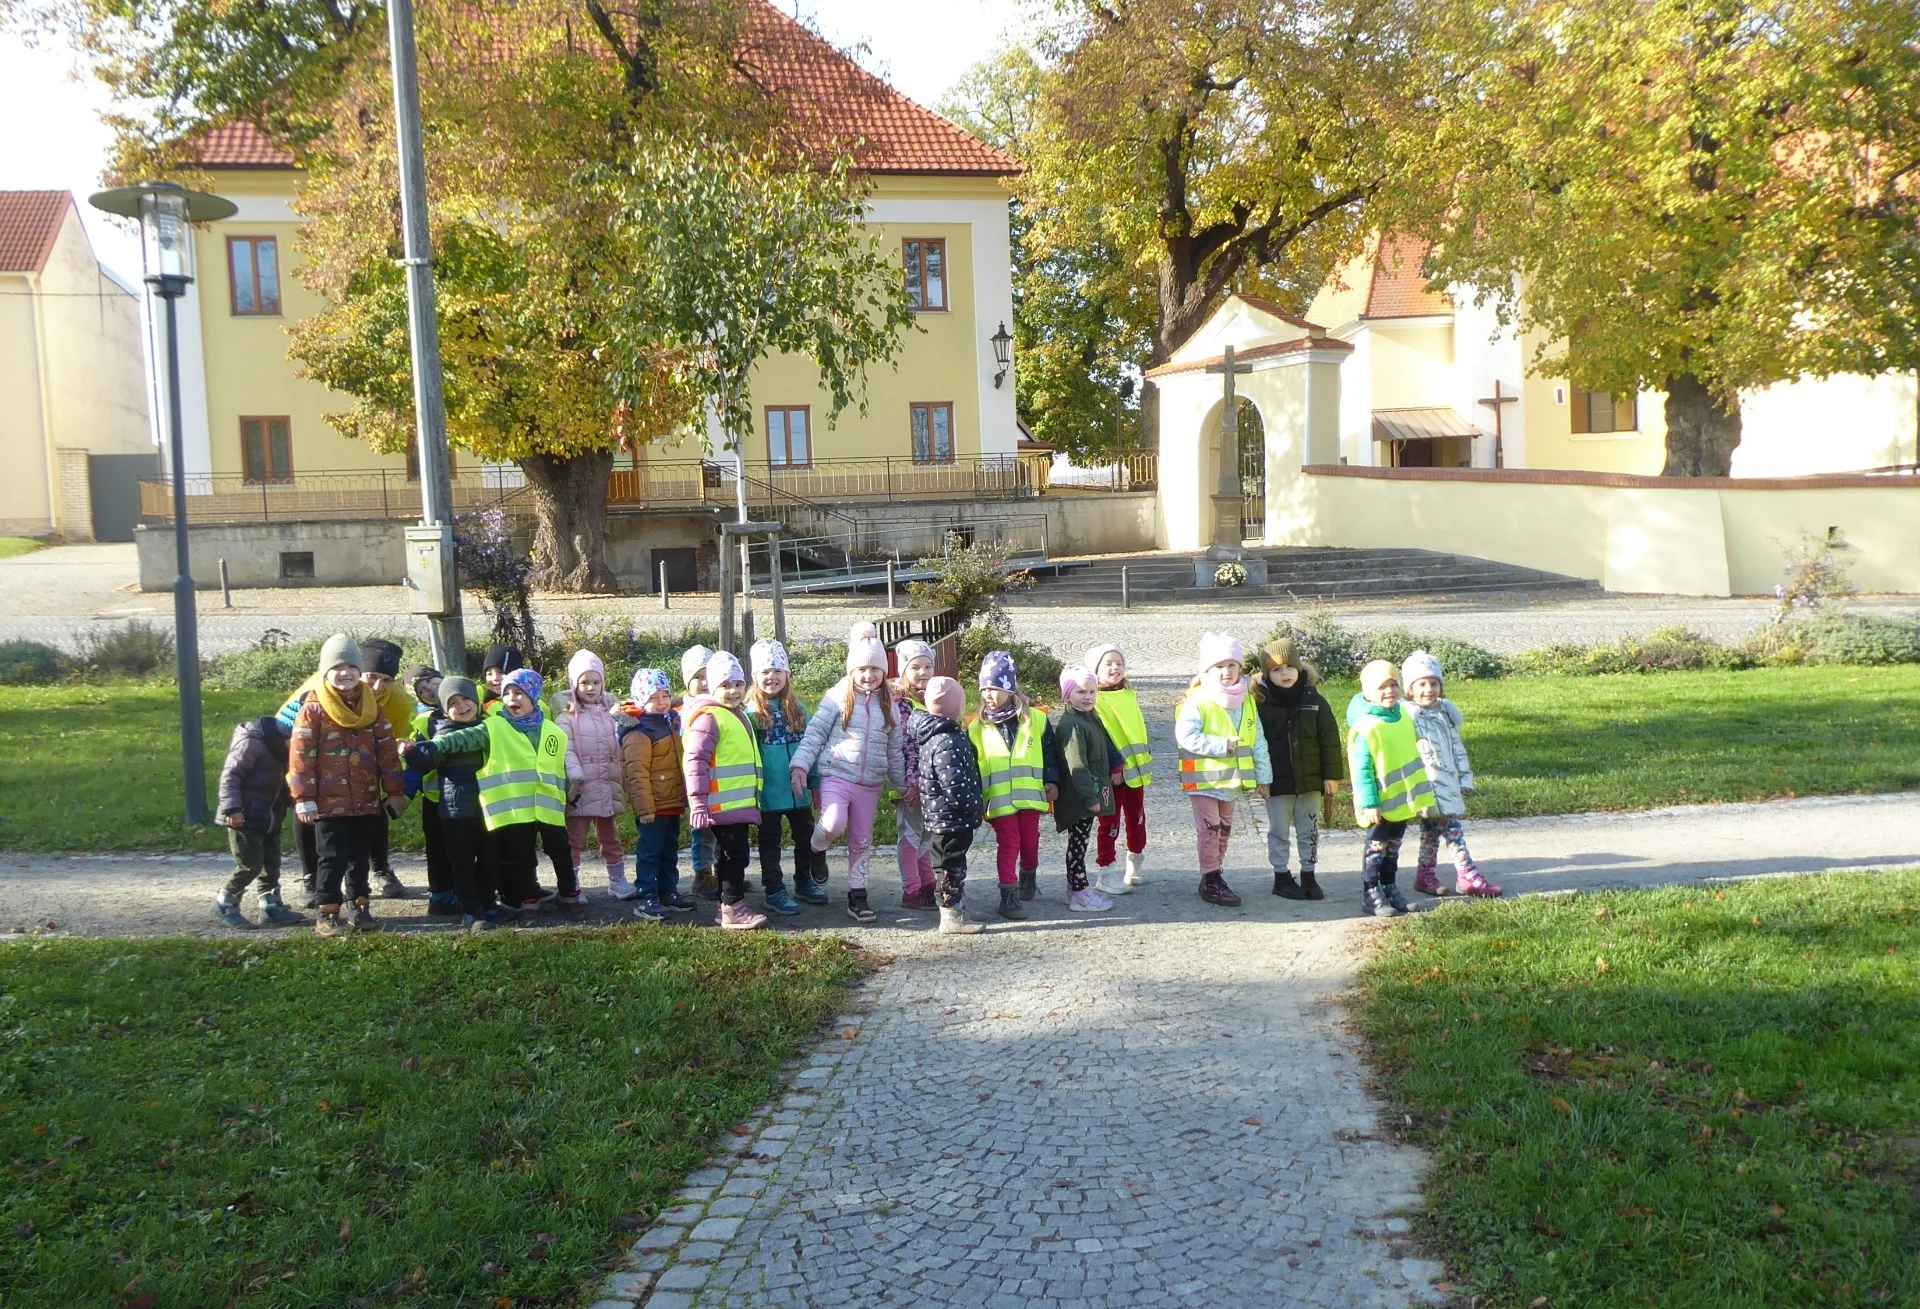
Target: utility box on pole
(431, 587)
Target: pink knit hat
(1071, 679)
(1220, 648)
(946, 698)
(584, 661)
(864, 648)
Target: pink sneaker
(1426, 883)
(739, 918)
(1469, 882)
(1089, 901)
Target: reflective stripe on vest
(521, 783)
(429, 782)
(1234, 772)
(733, 779)
(1119, 712)
(1402, 777)
(1011, 778)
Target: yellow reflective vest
(1221, 772)
(422, 730)
(733, 780)
(522, 782)
(1392, 748)
(1119, 712)
(1011, 778)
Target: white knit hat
(767, 654)
(864, 648)
(911, 649)
(693, 661)
(1095, 653)
(721, 669)
(1220, 648)
(1420, 664)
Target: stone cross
(1496, 402)
(1226, 497)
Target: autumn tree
(1699, 198)
(1217, 144)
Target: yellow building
(73, 402)
(939, 200)
(1436, 381)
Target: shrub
(1857, 639)
(969, 580)
(29, 663)
(138, 649)
(493, 566)
(1458, 659)
(1037, 666)
(277, 663)
(1816, 574)
(1669, 650)
(1333, 650)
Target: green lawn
(1679, 1098)
(95, 767)
(420, 1120)
(12, 546)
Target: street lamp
(166, 213)
(1002, 341)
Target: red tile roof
(1250, 355)
(29, 225)
(832, 103)
(1400, 288)
(241, 145)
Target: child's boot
(954, 921)
(857, 907)
(1309, 887)
(706, 884)
(444, 904)
(1029, 883)
(1106, 880)
(1376, 901)
(228, 911)
(915, 893)
(387, 886)
(805, 888)
(739, 918)
(1089, 901)
(360, 917)
(1286, 888)
(276, 913)
(1010, 906)
(328, 922)
(1396, 897)
(1136, 864)
(618, 887)
(1426, 883)
(1469, 882)
(1214, 890)
(781, 901)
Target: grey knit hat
(339, 649)
(453, 686)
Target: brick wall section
(73, 511)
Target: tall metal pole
(449, 641)
(186, 617)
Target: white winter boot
(617, 884)
(954, 921)
(1135, 864)
(1108, 881)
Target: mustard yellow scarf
(351, 717)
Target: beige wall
(23, 442)
(1693, 537)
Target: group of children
(504, 777)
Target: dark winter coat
(253, 782)
(1084, 762)
(950, 796)
(459, 773)
(1303, 737)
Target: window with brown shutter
(932, 429)
(925, 259)
(266, 450)
(1597, 413)
(253, 281)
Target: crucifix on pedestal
(1497, 402)
(1227, 496)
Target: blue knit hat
(647, 682)
(527, 680)
(996, 672)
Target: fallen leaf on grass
(346, 1228)
(1538, 1302)
(1559, 1106)
(1599, 960)
(619, 1129)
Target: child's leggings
(1381, 864)
(1130, 803)
(800, 827)
(1213, 826)
(1437, 831)
(850, 808)
(916, 849)
(1016, 843)
(1077, 854)
(606, 831)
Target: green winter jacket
(1084, 761)
(1303, 740)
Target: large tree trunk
(1702, 434)
(569, 535)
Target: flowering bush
(502, 573)
(1229, 574)
(1816, 573)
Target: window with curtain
(926, 265)
(789, 437)
(253, 263)
(1596, 412)
(266, 450)
(932, 433)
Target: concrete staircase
(1304, 572)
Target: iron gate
(1253, 473)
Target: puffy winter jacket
(1084, 761)
(698, 744)
(594, 774)
(650, 762)
(1303, 738)
(396, 707)
(1445, 754)
(459, 772)
(865, 751)
(778, 743)
(253, 782)
(347, 772)
(951, 799)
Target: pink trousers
(916, 851)
(850, 808)
(607, 832)
(1016, 843)
(1212, 824)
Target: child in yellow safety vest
(1015, 746)
(1223, 755)
(1117, 706)
(722, 763)
(1390, 787)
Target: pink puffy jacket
(593, 746)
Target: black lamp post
(1002, 341)
(167, 213)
